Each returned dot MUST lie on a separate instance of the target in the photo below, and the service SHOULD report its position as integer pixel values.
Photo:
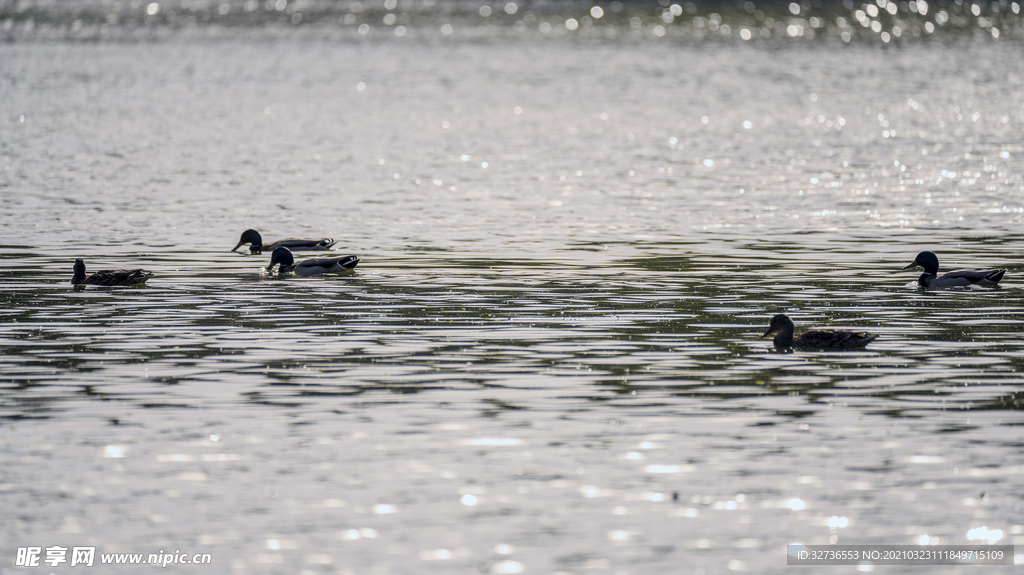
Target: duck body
(256, 245)
(109, 277)
(959, 278)
(310, 267)
(816, 339)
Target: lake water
(548, 360)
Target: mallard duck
(256, 246)
(959, 278)
(310, 267)
(782, 326)
(109, 277)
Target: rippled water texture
(548, 359)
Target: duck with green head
(959, 278)
(256, 245)
(310, 267)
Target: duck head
(928, 260)
(250, 237)
(79, 272)
(780, 324)
(283, 256)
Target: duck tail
(995, 275)
(138, 276)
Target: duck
(256, 245)
(835, 339)
(312, 266)
(959, 278)
(109, 277)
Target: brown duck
(109, 277)
(835, 339)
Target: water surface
(548, 359)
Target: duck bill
(238, 246)
(911, 266)
(768, 333)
